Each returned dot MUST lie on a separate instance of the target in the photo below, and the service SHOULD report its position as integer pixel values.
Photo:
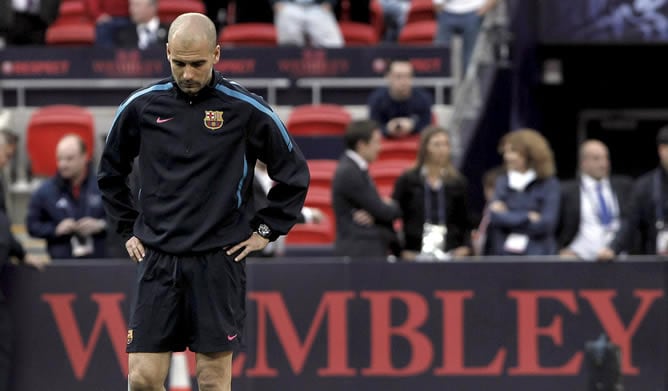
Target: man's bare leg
(214, 371)
(148, 371)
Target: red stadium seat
(358, 33)
(321, 198)
(322, 173)
(168, 10)
(320, 233)
(385, 173)
(47, 126)
(71, 34)
(248, 34)
(420, 10)
(377, 18)
(72, 12)
(401, 149)
(318, 120)
(421, 32)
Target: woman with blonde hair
(525, 207)
(432, 198)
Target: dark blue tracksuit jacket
(54, 202)
(196, 156)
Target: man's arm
(286, 165)
(365, 197)
(121, 148)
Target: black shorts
(195, 301)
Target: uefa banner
(334, 325)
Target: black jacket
(569, 215)
(15, 247)
(127, 37)
(352, 189)
(409, 192)
(196, 159)
(643, 215)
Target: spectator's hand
(498, 206)
(534, 216)
(394, 127)
(317, 215)
(567, 253)
(37, 262)
(362, 217)
(104, 18)
(461, 251)
(407, 125)
(66, 227)
(88, 226)
(489, 4)
(135, 249)
(254, 243)
(605, 255)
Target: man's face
(400, 80)
(369, 150)
(142, 11)
(595, 161)
(192, 63)
(71, 160)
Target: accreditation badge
(433, 242)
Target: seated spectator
(363, 219)
(401, 109)
(109, 16)
(432, 198)
(24, 22)
(262, 185)
(648, 231)
(395, 13)
(314, 18)
(479, 240)
(146, 30)
(525, 209)
(594, 208)
(462, 17)
(66, 209)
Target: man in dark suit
(648, 219)
(146, 31)
(594, 208)
(25, 22)
(363, 219)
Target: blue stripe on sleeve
(157, 87)
(262, 108)
(241, 182)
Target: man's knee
(141, 379)
(209, 379)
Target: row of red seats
(49, 124)
(73, 27)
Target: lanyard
(440, 200)
(658, 200)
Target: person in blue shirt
(66, 209)
(524, 211)
(400, 108)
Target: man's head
(400, 79)
(363, 137)
(71, 157)
(192, 51)
(11, 141)
(142, 11)
(594, 159)
(662, 145)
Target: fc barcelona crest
(213, 119)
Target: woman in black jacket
(432, 197)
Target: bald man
(66, 209)
(594, 208)
(197, 137)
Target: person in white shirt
(462, 17)
(594, 208)
(146, 30)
